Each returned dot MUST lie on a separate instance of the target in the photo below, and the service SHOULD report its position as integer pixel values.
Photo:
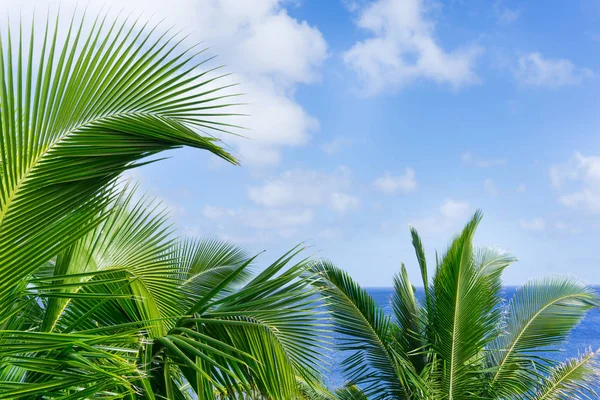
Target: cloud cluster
(287, 202)
(307, 188)
(535, 70)
(403, 48)
(446, 219)
(404, 183)
(578, 182)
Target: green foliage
(98, 298)
(461, 341)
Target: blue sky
(368, 116)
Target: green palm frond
(350, 393)
(408, 332)
(75, 114)
(540, 316)
(466, 315)
(577, 378)
(67, 365)
(365, 331)
(205, 263)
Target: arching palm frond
(74, 114)
(466, 315)
(126, 277)
(540, 316)
(461, 340)
(365, 332)
(576, 378)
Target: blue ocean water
(586, 335)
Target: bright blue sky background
(368, 116)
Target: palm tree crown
(461, 340)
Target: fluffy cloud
(535, 70)
(342, 202)
(404, 183)
(268, 51)
(450, 215)
(507, 16)
(469, 159)
(578, 182)
(403, 48)
(306, 188)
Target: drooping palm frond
(66, 366)
(577, 378)
(75, 114)
(234, 334)
(366, 332)
(540, 316)
(204, 263)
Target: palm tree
(98, 298)
(460, 340)
(130, 310)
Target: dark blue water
(586, 335)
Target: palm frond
(466, 315)
(408, 332)
(74, 115)
(365, 332)
(540, 316)
(577, 378)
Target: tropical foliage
(98, 297)
(460, 340)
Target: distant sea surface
(586, 335)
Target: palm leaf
(466, 315)
(365, 331)
(540, 316)
(576, 378)
(74, 115)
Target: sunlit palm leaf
(74, 115)
(540, 316)
(576, 378)
(365, 331)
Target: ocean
(586, 335)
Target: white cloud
(490, 187)
(447, 218)
(342, 202)
(404, 183)
(268, 51)
(454, 209)
(507, 16)
(403, 48)
(578, 182)
(305, 188)
(469, 159)
(535, 224)
(535, 70)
